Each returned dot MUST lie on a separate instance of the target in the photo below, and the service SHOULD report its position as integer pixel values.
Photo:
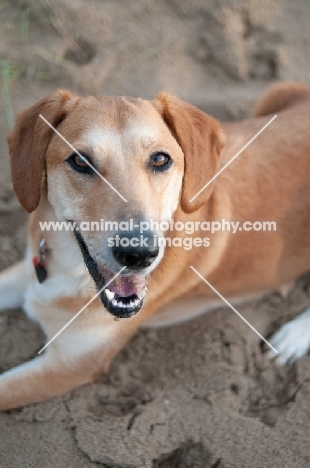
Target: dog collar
(39, 261)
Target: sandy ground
(197, 395)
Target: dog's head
(122, 159)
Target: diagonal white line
(232, 159)
(235, 310)
(80, 311)
(81, 156)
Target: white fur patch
(292, 341)
(112, 141)
(13, 284)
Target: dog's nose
(135, 250)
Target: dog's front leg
(12, 286)
(76, 357)
(42, 378)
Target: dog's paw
(292, 341)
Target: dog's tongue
(125, 286)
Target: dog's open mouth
(124, 295)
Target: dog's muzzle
(124, 296)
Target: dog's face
(128, 143)
(135, 160)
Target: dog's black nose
(135, 250)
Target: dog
(153, 157)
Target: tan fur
(201, 139)
(280, 96)
(267, 182)
(27, 169)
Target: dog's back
(279, 97)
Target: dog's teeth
(124, 305)
(110, 295)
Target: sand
(202, 394)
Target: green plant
(8, 72)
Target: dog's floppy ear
(201, 139)
(28, 142)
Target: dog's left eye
(160, 161)
(78, 162)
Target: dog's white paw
(292, 341)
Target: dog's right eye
(80, 163)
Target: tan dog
(156, 154)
